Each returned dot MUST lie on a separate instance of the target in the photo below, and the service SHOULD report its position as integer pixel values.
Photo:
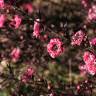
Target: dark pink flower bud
(55, 47)
(36, 31)
(15, 54)
(77, 38)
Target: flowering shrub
(48, 48)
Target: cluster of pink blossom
(27, 75)
(91, 13)
(90, 62)
(55, 47)
(15, 54)
(16, 22)
(88, 57)
(77, 38)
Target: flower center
(55, 47)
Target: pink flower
(36, 31)
(91, 68)
(77, 38)
(1, 3)
(90, 62)
(93, 41)
(55, 47)
(88, 57)
(28, 7)
(92, 13)
(15, 54)
(2, 20)
(16, 22)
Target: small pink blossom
(82, 69)
(24, 79)
(16, 22)
(1, 3)
(78, 87)
(93, 41)
(92, 13)
(30, 72)
(90, 62)
(15, 54)
(27, 75)
(28, 7)
(55, 42)
(77, 38)
(43, 38)
(85, 3)
(52, 94)
(2, 20)
(36, 31)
